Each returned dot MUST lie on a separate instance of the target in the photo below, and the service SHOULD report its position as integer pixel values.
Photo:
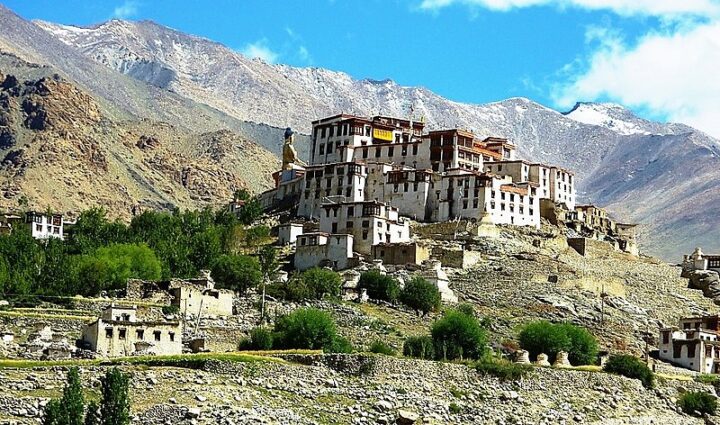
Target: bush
(630, 366)
(306, 328)
(420, 347)
(260, 339)
(503, 369)
(170, 309)
(340, 345)
(454, 408)
(237, 272)
(551, 338)
(420, 295)
(707, 378)
(379, 286)
(458, 336)
(379, 347)
(110, 267)
(697, 401)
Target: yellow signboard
(379, 134)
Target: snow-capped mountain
(653, 173)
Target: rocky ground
(356, 389)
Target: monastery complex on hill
(367, 176)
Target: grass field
(192, 361)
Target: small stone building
(324, 250)
(118, 332)
(401, 253)
(289, 232)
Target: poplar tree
(115, 407)
(73, 402)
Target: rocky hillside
(613, 152)
(61, 151)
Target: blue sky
(553, 51)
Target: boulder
(406, 417)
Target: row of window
(139, 334)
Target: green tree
(110, 267)
(261, 338)
(115, 406)
(268, 266)
(551, 338)
(322, 282)
(420, 295)
(306, 328)
(379, 286)
(92, 416)
(73, 402)
(53, 413)
(251, 209)
(544, 337)
(237, 272)
(583, 348)
(458, 336)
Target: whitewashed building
(44, 226)
(694, 345)
(320, 249)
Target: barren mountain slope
(60, 151)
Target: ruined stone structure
(118, 332)
(193, 297)
(401, 253)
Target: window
(322, 149)
(367, 131)
(365, 234)
(404, 150)
(366, 223)
(415, 149)
(475, 203)
(349, 225)
(365, 153)
(172, 336)
(332, 131)
(391, 151)
(322, 133)
(377, 152)
(157, 333)
(108, 333)
(334, 228)
(38, 227)
(140, 334)
(122, 333)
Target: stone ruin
(522, 357)
(542, 360)
(561, 360)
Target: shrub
(420, 347)
(455, 408)
(307, 328)
(379, 286)
(551, 338)
(170, 309)
(379, 347)
(420, 295)
(502, 369)
(339, 345)
(630, 366)
(467, 309)
(260, 339)
(697, 401)
(237, 272)
(707, 378)
(458, 336)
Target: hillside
(61, 151)
(595, 140)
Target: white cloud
(304, 54)
(126, 10)
(621, 7)
(668, 73)
(260, 50)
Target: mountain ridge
(209, 73)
